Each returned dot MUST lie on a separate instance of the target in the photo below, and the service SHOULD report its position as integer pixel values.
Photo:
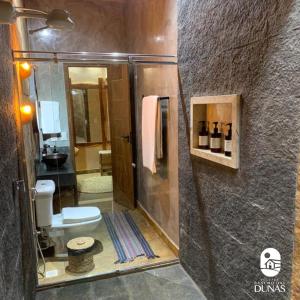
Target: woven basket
(80, 255)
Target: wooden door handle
(125, 138)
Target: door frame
(132, 87)
(131, 74)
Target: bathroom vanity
(65, 176)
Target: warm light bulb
(26, 109)
(26, 113)
(25, 70)
(26, 66)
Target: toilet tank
(44, 202)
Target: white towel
(49, 116)
(151, 132)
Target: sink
(55, 159)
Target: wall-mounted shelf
(224, 109)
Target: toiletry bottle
(203, 136)
(215, 140)
(228, 141)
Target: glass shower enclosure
(92, 211)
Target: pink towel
(149, 130)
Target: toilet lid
(45, 188)
(79, 214)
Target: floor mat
(94, 183)
(127, 238)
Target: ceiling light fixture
(55, 19)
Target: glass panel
(84, 119)
(73, 121)
(158, 192)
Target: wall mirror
(89, 105)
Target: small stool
(105, 161)
(80, 255)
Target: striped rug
(127, 238)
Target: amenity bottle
(215, 139)
(203, 136)
(228, 141)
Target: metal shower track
(92, 57)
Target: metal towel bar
(160, 98)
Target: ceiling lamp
(55, 19)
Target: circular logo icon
(270, 262)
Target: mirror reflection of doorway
(100, 118)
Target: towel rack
(164, 98)
(160, 98)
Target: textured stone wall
(227, 217)
(11, 284)
(24, 134)
(17, 259)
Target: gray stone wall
(227, 217)
(11, 281)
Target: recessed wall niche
(223, 109)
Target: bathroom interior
(86, 155)
(139, 135)
(85, 181)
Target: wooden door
(120, 128)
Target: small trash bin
(80, 255)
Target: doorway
(101, 134)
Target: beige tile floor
(105, 261)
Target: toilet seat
(79, 214)
(76, 216)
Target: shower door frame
(96, 58)
(132, 115)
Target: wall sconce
(27, 112)
(25, 70)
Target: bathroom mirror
(47, 88)
(89, 105)
(86, 115)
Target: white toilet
(70, 223)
